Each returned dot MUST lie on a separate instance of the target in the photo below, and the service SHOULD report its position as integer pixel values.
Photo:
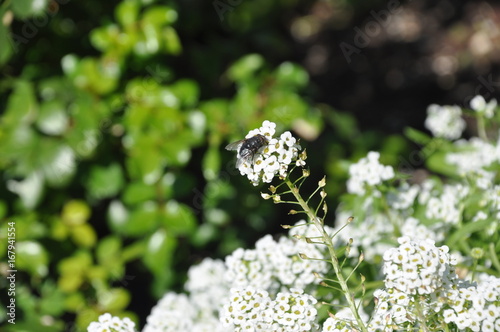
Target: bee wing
(234, 146)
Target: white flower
(445, 121)
(474, 155)
(424, 267)
(446, 206)
(436, 288)
(174, 312)
(273, 264)
(108, 323)
(479, 105)
(272, 159)
(252, 309)
(404, 197)
(244, 309)
(367, 172)
(206, 285)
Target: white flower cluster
(479, 105)
(404, 196)
(206, 286)
(174, 312)
(446, 206)
(474, 306)
(273, 264)
(474, 155)
(272, 159)
(197, 311)
(445, 121)
(417, 267)
(108, 323)
(413, 228)
(367, 172)
(420, 282)
(252, 309)
(270, 267)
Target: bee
(247, 148)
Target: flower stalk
(318, 222)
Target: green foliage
(113, 162)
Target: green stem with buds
(329, 243)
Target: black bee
(247, 148)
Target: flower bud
(265, 196)
(322, 182)
(303, 155)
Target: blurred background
(114, 118)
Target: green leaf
(466, 230)
(215, 111)
(69, 64)
(22, 106)
(159, 251)
(84, 235)
(52, 301)
(187, 91)
(211, 163)
(138, 192)
(127, 12)
(198, 124)
(245, 67)
(134, 251)
(286, 107)
(178, 218)
(7, 45)
(74, 302)
(77, 264)
(32, 257)
(108, 250)
(148, 165)
(417, 136)
(97, 75)
(140, 221)
(75, 212)
(159, 16)
(59, 165)
(52, 119)
(437, 162)
(105, 181)
(104, 38)
(176, 153)
(30, 189)
(3, 209)
(171, 40)
(114, 299)
(292, 75)
(216, 216)
(26, 8)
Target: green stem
(493, 257)
(481, 128)
(334, 260)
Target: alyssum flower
(269, 159)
